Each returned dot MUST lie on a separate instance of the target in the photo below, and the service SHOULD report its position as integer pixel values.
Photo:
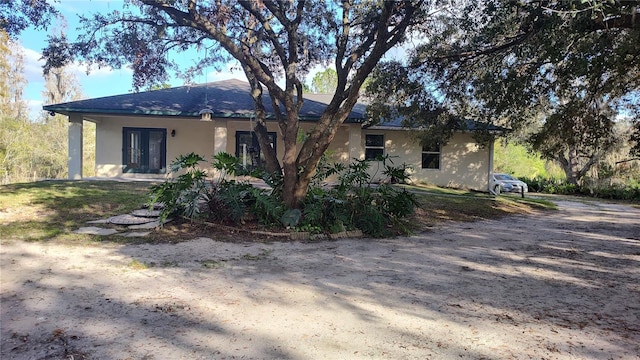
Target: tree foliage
(275, 42)
(32, 148)
(562, 71)
(15, 129)
(61, 85)
(324, 82)
(17, 15)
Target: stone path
(141, 219)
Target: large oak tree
(275, 42)
(556, 72)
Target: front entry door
(144, 150)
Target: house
(139, 134)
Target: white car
(507, 183)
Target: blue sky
(105, 81)
(99, 82)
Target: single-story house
(139, 134)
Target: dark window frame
(255, 154)
(143, 166)
(431, 156)
(373, 149)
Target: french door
(144, 150)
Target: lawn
(51, 210)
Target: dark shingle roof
(463, 125)
(228, 98)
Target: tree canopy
(17, 15)
(22, 158)
(275, 42)
(324, 82)
(557, 73)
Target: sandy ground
(564, 285)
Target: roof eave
(67, 111)
(398, 128)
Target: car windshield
(503, 177)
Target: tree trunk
(571, 164)
(292, 194)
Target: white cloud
(32, 65)
(227, 74)
(35, 109)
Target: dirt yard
(560, 285)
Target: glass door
(144, 150)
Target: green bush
(629, 191)
(354, 203)
(229, 201)
(187, 193)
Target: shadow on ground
(548, 286)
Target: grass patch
(139, 265)
(439, 206)
(436, 190)
(51, 210)
(212, 264)
(263, 255)
(46, 210)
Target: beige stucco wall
(191, 136)
(338, 150)
(463, 162)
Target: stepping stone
(136, 234)
(101, 221)
(150, 225)
(92, 230)
(129, 220)
(146, 213)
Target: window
(248, 149)
(431, 156)
(373, 147)
(144, 150)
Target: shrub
(185, 195)
(354, 203)
(616, 191)
(229, 200)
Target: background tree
(275, 43)
(61, 85)
(33, 148)
(325, 82)
(15, 130)
(13, 82)
(557, 73)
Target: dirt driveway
(562, 285)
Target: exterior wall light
(173, 133)
(205, 114)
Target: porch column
(75, 146)
(490, 167)
(355, 142)
(220, 138)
